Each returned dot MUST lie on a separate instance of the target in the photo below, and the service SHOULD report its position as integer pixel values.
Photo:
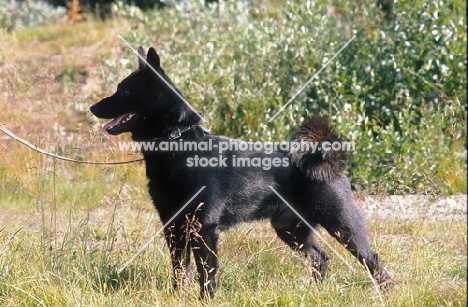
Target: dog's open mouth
(117, 125)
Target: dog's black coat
(312, 182)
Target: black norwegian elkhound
(241, 184)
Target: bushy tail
(315, 161)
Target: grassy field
(66, 228)
(69, 257)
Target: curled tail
(313, 150)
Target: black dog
(154, 111)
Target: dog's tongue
(116, 121)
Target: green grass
(70, 257)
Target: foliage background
(398, 90)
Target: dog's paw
(384, 281)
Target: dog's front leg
(204, 243)
(177, 241)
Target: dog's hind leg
(300, 237)
(336, 211)
(353, 236)
(349, 229)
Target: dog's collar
(177, 132)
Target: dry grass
(69, 256)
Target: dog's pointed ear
(153, 59)
(141, 63)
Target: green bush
(397, 90)
(19, 14)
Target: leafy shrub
(17, 14)
(397, 90)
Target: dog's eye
(125, 93)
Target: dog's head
(146, 103)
